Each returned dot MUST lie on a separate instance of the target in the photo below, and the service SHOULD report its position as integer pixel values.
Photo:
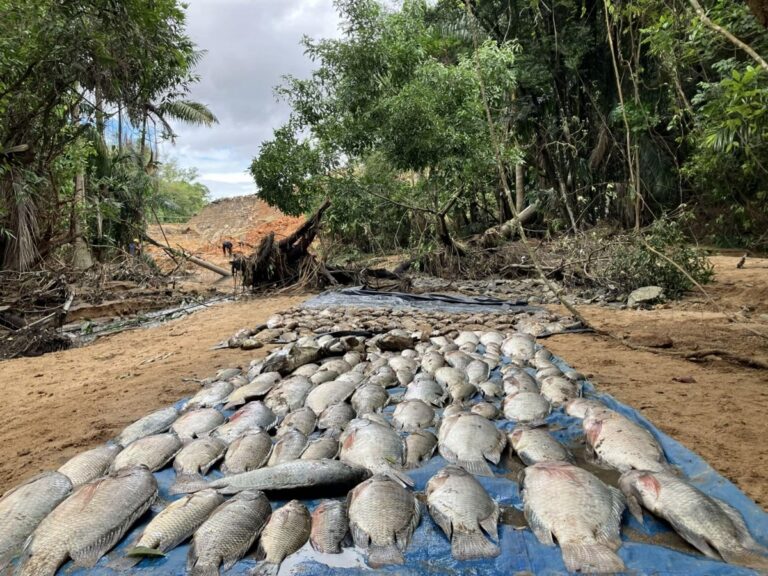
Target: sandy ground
(57, 405)
(60, 404)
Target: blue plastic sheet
(429, 551)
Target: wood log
(194, 259)
(508, 230)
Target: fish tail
(204, 570)
(398, 476)
(477, 467)
(5, 560)
(186, 483)
(145, 551)
(379, 556)
(756, 559)
(466, 545)
(591, 558)
(265, 569)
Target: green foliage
(178, 196)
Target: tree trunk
(519, 186)
(81, 254)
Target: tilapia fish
(619, 443)
(177, 522)
(330, 526)
(324, 447)
(713, 527)
(89, 523)
(336, 417)
(90, 465)
(375, 447)
(248, 452)
(385, 536)
(486, 410)
(22, 508)
(210, 396)
(420, 446)
(228, 533)
(578, 407)
(468, 440)
(412, 415)
(329, 393)
(526, 407)
(153, 423)
(304, 420)
(288, 447)
(534, 445)
(196, 459)
(287, 531)
(197, 423)
(462, 508)
(369, 398)
(558, 390)
(250, 417)
(426, 390)
(154, 452)
(289, 475)
(288, 395)
(576, 508)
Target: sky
(250, 45)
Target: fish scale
(330, 525)
(90, 465)
(248, 452)
(154, 452)
(287, 531)
(153, 423)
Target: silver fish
(526, 407)
(317, 474)
(154, 452)
(431, 361)
(288, 395)
(412, 415)
(374, 447)
(428, 391)
(403, 363)
(252, 391)
(288, 447)
(196, 459)
(420, 445)
(460, 392)
(462, 508)
(336, 417)
(384, 536)
(491, 338)
(338, 365)
(210, 396)
(330, 526)
(458, 360)
(197, 423)
(520, 346)
(251, 416)
(467, 337)
(712, 526)
(287, 531)
(477, 372)
(307, 370)
(558, 390)
(385, 377)
(153, 423)
(491, 389)
(327, 394)
(228, 534)
(89, 523)
(322, 376)
(578, 407)
(534, 445)
(486, 410)
(247, 452)
(89, 465)
(617, 442)
(468, 440)
(304, 420)
(177, 522)
(325, 447)
(581, 512)
(22, 508)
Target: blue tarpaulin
(429, 551)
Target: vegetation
(69, 71)
(596, 110)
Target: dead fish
(460, 392)
(197, 423)
(491, 338)
(542, 358)
(431, 361)
(448, 376)
(327, 394)
(154, 423)
(526, 407)
(330, 526)
(419, 447)
(288, 447)
(619, 443)
(317, 474)
(228, 533)
(376, 418)
(491, 389)
(304, 420)
(89, 465)
(466, 337)
(578, 407)
(369, 398)
(210, 396)
(251, 416)
(520, 346)
(428, 391)
(534, 445)
(558, 390)
(196, 459)
(457, 360)
(468, 440)
(404, 377)
(88, 523)
(402, 363)
(453, 409)
(353, 358)
(548, 371)
(338, 365)
(324, 447)
(581, 512)
(374, 447)
(22, 508)
(252, 391)
(177, 522)
(412, 415)
(385, 377)
(227, 373)
(395, 341)
(486, 410)
(288, 395)
(286, 360)
(307, 370)
(287, 531)
(352, 377)
(247, 452)
(712, 526)
(336, 417)
(462, 508)
(322, 376)
(477, 372)
(384, 536)
(154, 452)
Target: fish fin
(635, 508)
(467, 545)
(379, 556)
(123, 564)
(477, 467)
(491, 523)
(398, 476)
(745, 537)
(746, 557)
(203, 570)
(6, 557)
(608, 532)
(359, 536)
(265, 569)
(696, 541)
(441, 520)
(403, 536)
(447, 453)
(141, 551)
(540, 530)
(591, 558)
(186, 483)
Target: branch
(731, 38)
